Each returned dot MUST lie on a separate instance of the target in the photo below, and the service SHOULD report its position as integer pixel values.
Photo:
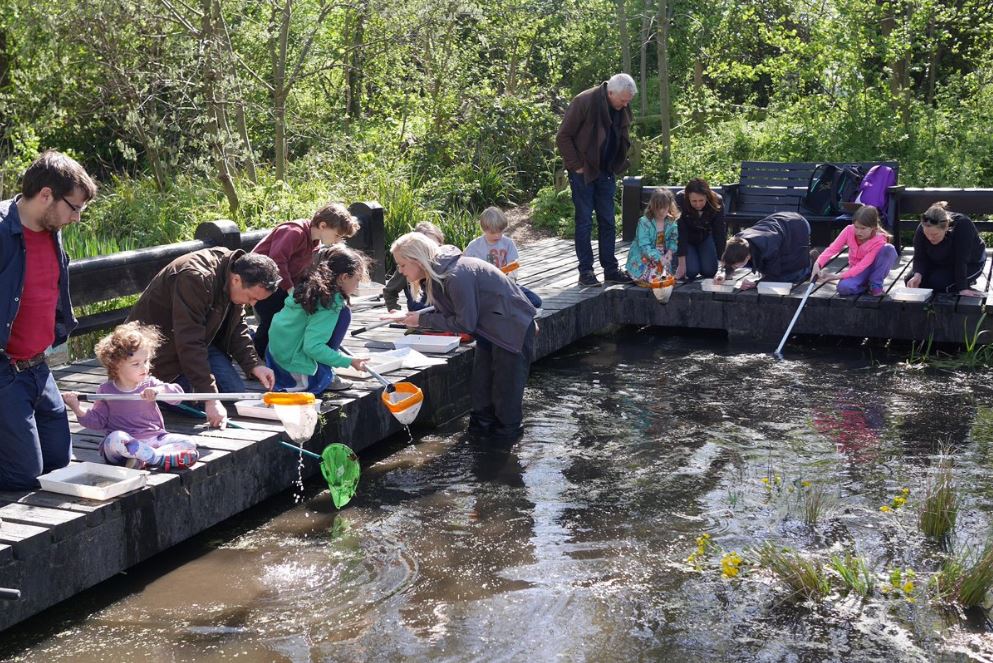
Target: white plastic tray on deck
(905, 294)
(429, 344)
(94, 481)
(775, 287)
(381, 362)
(708, 285)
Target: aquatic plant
(963, 583)
(804, 577)
(730, 563)
(901, 582)
(940, 504)
(897, 502)
(815, 502)
(697, 556)
(855, 574)
(974, 354)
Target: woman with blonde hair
(471, 296)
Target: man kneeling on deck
(198, 302)
(778, 247)
(35, 313)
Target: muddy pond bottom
(580, 541)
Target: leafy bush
(553, 210)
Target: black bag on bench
(829, 186)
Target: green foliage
(965, 580)
(855, 574)
(803, 577)
(553, 210)
(940, 505)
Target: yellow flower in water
(908, 587)
(805, 484)
(905, 491)
(729, 565)
(779, 479)
(899, 501)
(765, 480)
(885, 509)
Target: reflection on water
(571, 543)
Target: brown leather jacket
(584, 130)
(189, 301)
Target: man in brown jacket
(593, 140)
(198, 302)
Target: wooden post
(371, 237)
(219, 233)
(630, 206)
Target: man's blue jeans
(597, 196)
(225, 374)
(34, 428)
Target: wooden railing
(103, 278)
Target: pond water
(572, 543)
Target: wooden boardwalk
(54, 546)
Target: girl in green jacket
(656, 239)
(302, 351)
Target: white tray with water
(94, 481)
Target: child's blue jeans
(875, 275)
(324, 376)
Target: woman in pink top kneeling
(870, 255)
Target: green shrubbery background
(438, 109)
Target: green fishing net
(340, 467)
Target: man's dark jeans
(34, 428)
(597, 196)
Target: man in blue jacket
(35, 313)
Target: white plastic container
(708, 285)
(429, 344)
(257, 409)
(94, 481)
(905, 294)
(381, 362)
(781, 288)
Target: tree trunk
(933, 59)
(279, 90)
(622, 31)
(662, 42)
(354, 76)
(646, 26)
(897, 65)
(216, 120)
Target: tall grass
(816, 502)
(855, 574)
(965, 583)
(803, 577)
(940, 505)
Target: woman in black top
(702, 232)
(949, 255)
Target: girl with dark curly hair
(306, 335)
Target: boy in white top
(492, 246)
(496, 249)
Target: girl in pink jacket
(870, 255)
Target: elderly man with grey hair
(593, 140)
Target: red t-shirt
(33, 329)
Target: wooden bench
(766, 187)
